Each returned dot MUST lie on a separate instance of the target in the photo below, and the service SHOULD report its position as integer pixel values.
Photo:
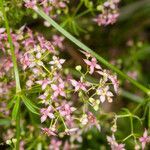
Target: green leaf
(16, 109)
(30, 105)
(10, 104)
(4, 122)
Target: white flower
(105, 94)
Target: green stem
(16, 72)
(78, 7)
(127, 137)
(15, 67)
(84, 47)
(18, 128)
(131, 125)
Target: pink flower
(30, 3)
(46, 45)
(100, 20)
(114, 145)
(92, 64)
(106, 19)
(44, 101)
(22, 145)
(115, 82)
(8, 65)
(57, 41)
(2, 30)
(58, 89)
(44, 83)
(62, 5)
(46, 112)
(71, 131)
(105, 94)
(25, 61)
(87, 54)
(55, 144)
(144, 139)
(109, 14)
(113, 78)
(67, 146)
(79, 85)
(92, 120)
(43, 96)
(49, 131)
(28, 42)
(2, 34)
(66, 110)
(47, 10)
(133, 74)
(57, 62)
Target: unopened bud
(78, 68)
(8, 142)
(14, 140)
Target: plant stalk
(13, 55)
(15, 67)
(18, 128)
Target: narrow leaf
(10, 104)
(16, 108)
(4, 122)
(30, 105)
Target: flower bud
(96, 107)
(99, 7)
(8, 142)
(78, 68)
(114, 128)
(14, 140)
(91, 100)
(137, 147)
(80, 94)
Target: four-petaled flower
(57, 41)
(46, 112)
(144, 139)
(44, 83)
(57, 62)
(25, 61)
(105, 94)
(92, 120)
(58, 89)
(8, 65)
(113, 78)
(55, 144)
(66, 110)
(49, 131)
(92, 64)
(30, 3)
(79, 85)
(114, 145)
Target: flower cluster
(50, 7)
(60, 92)
(109, 13)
